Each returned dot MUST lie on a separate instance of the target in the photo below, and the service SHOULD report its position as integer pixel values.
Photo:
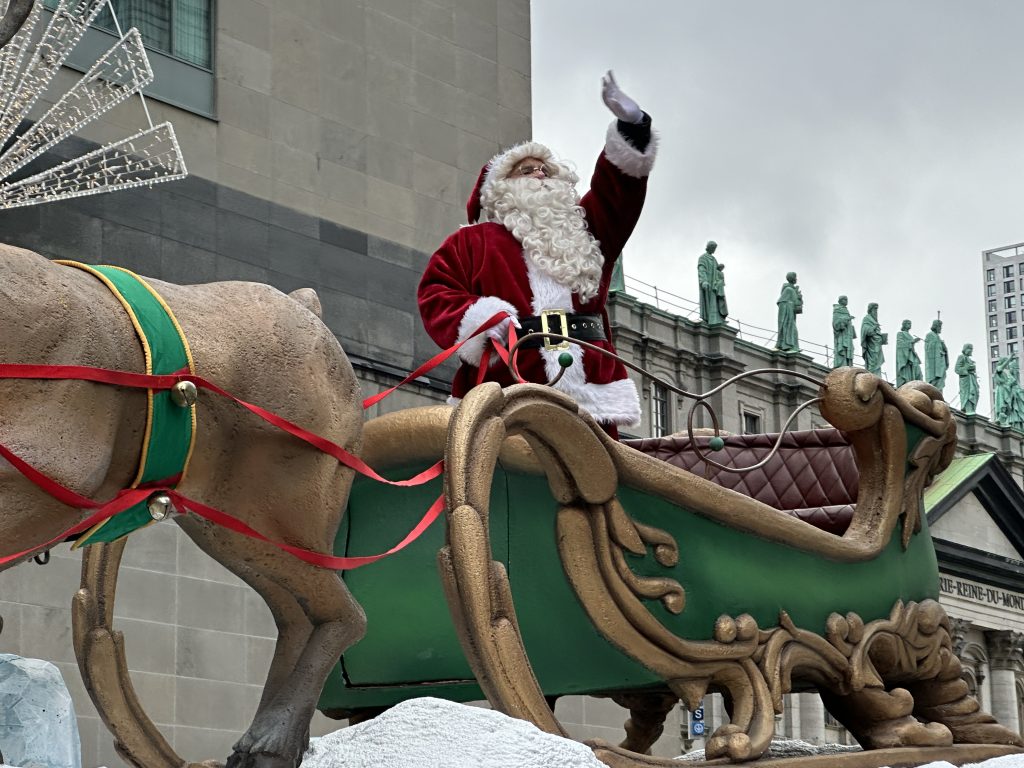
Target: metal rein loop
(700, 400)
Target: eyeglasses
(529, 170)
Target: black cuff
(637, 134)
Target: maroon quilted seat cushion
(812, 476)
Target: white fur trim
(480, 311)
(613, 403)
(627, 158)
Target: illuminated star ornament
(26, 69)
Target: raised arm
(619, 184)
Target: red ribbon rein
(128, 498)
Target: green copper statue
(843, 334)
(791, 304)
(872, 340)
(713, 307)
(936, 357)
(1009, 406)
(967, 371)
(908, 363)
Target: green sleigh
(573, 564)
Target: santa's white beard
(545, 216)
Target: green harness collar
(170, 428)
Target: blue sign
(698, 713)
(697, 728)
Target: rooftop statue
(843, 334)
(791, 304)
(1009, 406)
(872, 340)
(966, 369)
(936, 357)
(710, 274)
(908, 363)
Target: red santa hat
(501, 165)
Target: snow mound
(428, 732)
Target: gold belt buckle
(563, 328)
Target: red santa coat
(481, 270)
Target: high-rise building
(1004, 300)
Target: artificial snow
(37, 718)
(427, 732)
(434, 733)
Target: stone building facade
(332, 145)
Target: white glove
(623, 107)
(499, 331)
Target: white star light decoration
(26, 69)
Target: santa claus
(544, 256)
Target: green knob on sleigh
(572, 564)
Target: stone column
(812, 718)
(792, 716)
(1006, 660)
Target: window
(990, 275)
(1011, 348)
(1011, 332)
(1011, 317)
(993, 321)
(1008, 271)
(993, 337)
(992, 305)
(990, 291)
(179, 36)
(178, 28)
(994, 351)
(1007, 286)
(659, 410)
(1009, 302)
(751, 423)
(1020, 268)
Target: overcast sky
(876, 147)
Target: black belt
(576, 326)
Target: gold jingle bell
(184, 394)
(160, 506)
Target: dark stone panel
(67, 234)
(296, 221)
(343, 237)
(241, 202)
(286, 283)
(240, 237)
(385, 250)
(140, 208)
(377, 281)
(131, 248)
(185, 264)
(21, 227)
(188, 221)
(293, 254)
(232, 269)
(203, 190)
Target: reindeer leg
(277, 736)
